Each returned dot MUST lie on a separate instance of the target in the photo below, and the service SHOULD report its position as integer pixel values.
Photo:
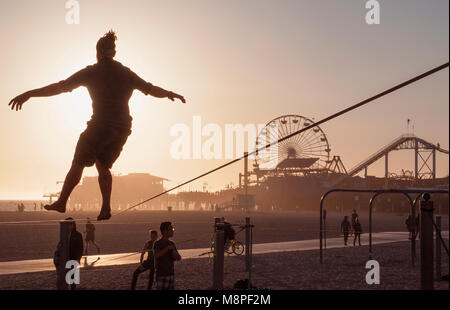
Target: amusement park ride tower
(302, 168)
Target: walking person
(90, 236)
(409, 227)
(354, 217)
(413, 228)
(110, 85)
(357, 231)
(148, 264)
(166, 254)
(345, 228)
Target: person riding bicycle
(229, 233)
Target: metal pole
(325, 228)
(414, 232)
(370, 225)
(247, 244)
(426, 243)
(438, 248)
(250, 259)
(386, 166)
(416, 159)
(365, 176)
(218, 256)
(246, 179)
(321, 228)
(64, 234)
(434, 164)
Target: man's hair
(70, 219)
(152, 231)
(106, 45)
(164, 226)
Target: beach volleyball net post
(438, 248)
(218, 254)
(218, 250)
(247, 244)
(426, 243)
(62, 255)
(250, 254)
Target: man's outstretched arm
(47, 91)
(159, 92)
(150, 89)
(74, 81)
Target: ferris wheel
(311, 146)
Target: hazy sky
(235, 61)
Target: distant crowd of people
(21, 207)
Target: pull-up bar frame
(378, 192)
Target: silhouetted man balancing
(110, 85)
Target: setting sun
(249, 146)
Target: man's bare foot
(56, 206)
(105, 214)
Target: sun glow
(77, 108)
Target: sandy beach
(343, 268)
(193, 229)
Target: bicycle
(231, 247)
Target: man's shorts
(90, 236)
(165, 283)
(101, 142)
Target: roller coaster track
(404, 142)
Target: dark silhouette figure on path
(87, 265)
(413, 229)
(90, 236)
(354, 217)
(345, 228)
(357, 230)
(147, 264)
(110, 86)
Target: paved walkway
(37, 265)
